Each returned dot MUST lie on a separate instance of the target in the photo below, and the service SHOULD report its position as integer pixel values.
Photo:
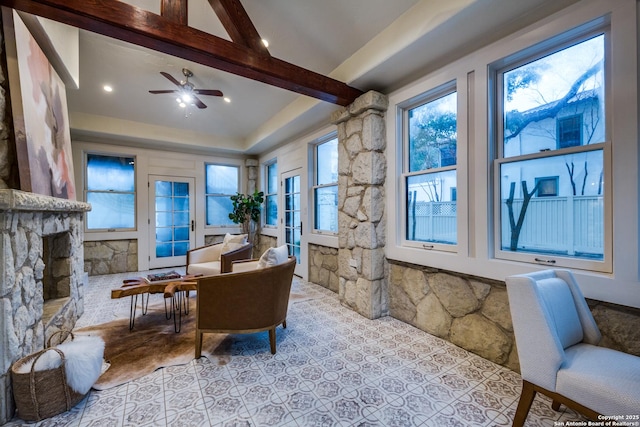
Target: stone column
(362, 169)
(252, 175)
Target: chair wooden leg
(284, 324)
(526, 399)
(555, 405)
(198, 344)
(272, 340)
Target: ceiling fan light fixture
(107, 88)
(186, 91)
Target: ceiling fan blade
(211, 92)
(163, 91)
(171, 79)
(198, 103)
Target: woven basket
(42, 394)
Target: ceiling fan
(186, 90)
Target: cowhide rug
(153, 344)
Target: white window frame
(315, 186)
(547, 47)
(424, 98)
(86, 155)
(206, 195)
(266, 167)
(475, 255)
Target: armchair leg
(555, 405)
(272, 339)
(198, 344)
(284, 324)
(526, 399)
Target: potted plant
(246, 212)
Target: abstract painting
(46, 122)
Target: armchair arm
(244, 265)
(204, 254)
(239, 254)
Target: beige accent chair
(252, 300)
(557, 341)
(209, 260)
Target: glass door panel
(293, 219)
(292, 223)
(171, 220)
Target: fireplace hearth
(41, 276)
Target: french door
(171, 220)
(292, 219)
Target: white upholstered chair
(217, 258)
(557, 341)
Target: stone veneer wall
(473, 312)
(265, 242)
(618, 325)
(25, 220)
(470, 312)
(323, 267)
(212, 239)
(111, 256)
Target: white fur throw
(83, 362)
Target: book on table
(163, 277)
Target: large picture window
(325, 188)
(110, 189)
(222, 183)
(271, 195)
(430, 171)
(552, 164)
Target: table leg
(145, 306)
(176, 302)
(132, 311)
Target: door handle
(193, 225)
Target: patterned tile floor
(333, 368)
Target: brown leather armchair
(252, 300)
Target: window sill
(328, 240)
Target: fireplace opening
(56, 276)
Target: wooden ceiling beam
(235, 20)
(125, 22)
(175, 11)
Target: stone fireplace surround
(29, 225)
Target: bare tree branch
(518, 121)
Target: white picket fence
(571, 225)
(433, 222)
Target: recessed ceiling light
(227, 99)
(265, 42)
(107, 88)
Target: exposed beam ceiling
(238, 24)
(167, 34)
(175, 10)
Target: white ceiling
(369, 44)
